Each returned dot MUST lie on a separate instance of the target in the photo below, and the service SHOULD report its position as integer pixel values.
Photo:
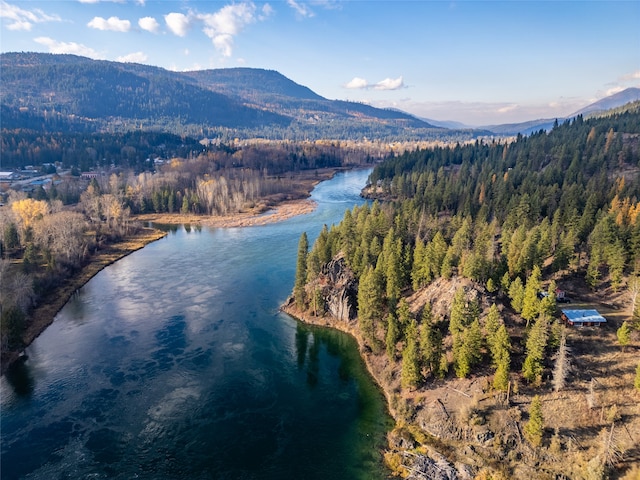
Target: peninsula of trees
(451, 281)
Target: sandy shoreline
(251, 218)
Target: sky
(475, 62)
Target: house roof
(584, 316)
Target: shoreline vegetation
(269, 210)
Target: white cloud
(221, 27)
(508, 108)
(629, 77)
(267, 11)
(149, 24)
(68, 47)
(389, 84)
(301, 9)
(24, 19)
(486, 113)
(357, 83)
(178, 23)
(386, 84)
(223, 43)
(136, 57)
(113, 24)
(613, 91)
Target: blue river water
(175, 363)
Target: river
(175, 363)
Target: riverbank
(351, 329)
(269, 209)
(461, 426)
(42, 316)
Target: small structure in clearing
(583, 318)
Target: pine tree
(411, 376)
(467, 349)
(403, 313)
(636, 382)
(430, 342)
(369, 293)
(393, 335)
(534, 428)
(501, 358)
(536, 344)
(624, 335)
(531, 302)
(516, 294)
(491, 325)
(301, 271)
(548, 303)
(457, 316)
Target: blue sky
(476, 62)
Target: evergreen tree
(393, 335)
(534, 428)
(536, 344)
(393, 270)
(411, 360)
(516, 294)
(369, 293)
(548, 303)
(404, 314)
(531, 301)
(430, 342)
(11, 239)
(467, 349)
(501, 358)
(458, 314)
(12, 324)
(636, 382)
(624, 335)
(301, 271)
(491, 325)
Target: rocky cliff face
(339, 289)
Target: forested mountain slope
(453, 284)
(44, 91)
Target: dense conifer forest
(458, 262)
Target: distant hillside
(612, 101)
(250, 82)
(46, 91)
(603, 105)
(523, 128)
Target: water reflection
(20, 378)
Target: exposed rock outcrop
(340, 289)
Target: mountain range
(79, 93)
(613, 101)
(48, 92)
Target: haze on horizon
(476, 62)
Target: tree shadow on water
(20, 378)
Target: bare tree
(17, 288)
(562, 363)
(611, 452)
(63, 234)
